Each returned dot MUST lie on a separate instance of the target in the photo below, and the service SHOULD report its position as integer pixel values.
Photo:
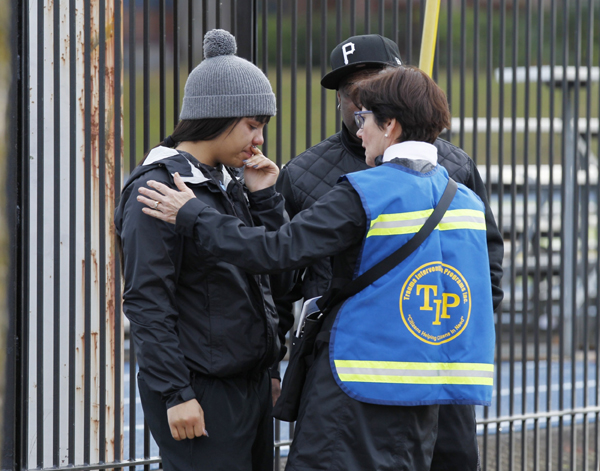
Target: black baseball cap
(369, 51)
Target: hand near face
(164, 203)
(259, 171)
(186, 420)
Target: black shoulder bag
(301, 354)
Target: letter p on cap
(347, 49)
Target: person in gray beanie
(205, 331)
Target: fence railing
(99, 83)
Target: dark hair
(204, 129)
(207, 128)
(411, 97)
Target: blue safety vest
(424, 332)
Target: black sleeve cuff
(274, 371)
(181, 396)
(267, 196)
(186, 217)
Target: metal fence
(101, 82)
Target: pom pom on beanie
(218, 42)
(224, 85)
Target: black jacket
(332, 227)
(312, 174)
(189, 311)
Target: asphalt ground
(518, 399)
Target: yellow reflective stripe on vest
(411, 222)
(415, 373)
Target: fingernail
(205, 432)
(255, 166)
(244, 161)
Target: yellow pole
(430, 26)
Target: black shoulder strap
(377, 271)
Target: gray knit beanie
(224, 85)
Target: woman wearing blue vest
(421, 335)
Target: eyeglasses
(359, 119)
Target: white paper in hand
(309, 307)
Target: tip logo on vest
(435, 303)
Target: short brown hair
(411, 97)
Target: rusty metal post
(74, 164)
(10, 132)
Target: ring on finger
(156, 203)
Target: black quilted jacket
(313, 173)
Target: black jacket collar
(351, 145)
